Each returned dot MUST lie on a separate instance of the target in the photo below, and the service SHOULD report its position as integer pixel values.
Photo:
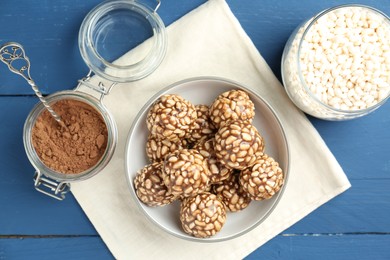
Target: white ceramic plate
(204, 91)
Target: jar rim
(301, 78)
(112, 71)
(112, 136)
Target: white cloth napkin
(209, 41)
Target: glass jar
(56, 184)
(113, 28)
(319, 98)
(109, 31)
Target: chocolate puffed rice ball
(157, 149)
(185, 173)
(171, 117)
(232, 105)
(203, 126)
(218, 172)
(202, 215)
(231, 194)
(238, 144)
(150, 187)
(263, 180)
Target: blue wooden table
(355, 225)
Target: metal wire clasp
(158, 6)
(100, 87)
(50, 187)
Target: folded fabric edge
(302, 213)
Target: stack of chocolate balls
(211, 159)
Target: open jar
(53, 181)
(113, 28)
(336, 65)
(109, 31)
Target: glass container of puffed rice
(336, 65)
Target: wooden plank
(335, 246)
(54, 248)
(362, 145)
(48, 30)
(363, 208)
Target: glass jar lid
(119, 27)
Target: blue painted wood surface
(354, 225)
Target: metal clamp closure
(158, 6)
(50, 187)
(100, 87)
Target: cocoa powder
(76, 147)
